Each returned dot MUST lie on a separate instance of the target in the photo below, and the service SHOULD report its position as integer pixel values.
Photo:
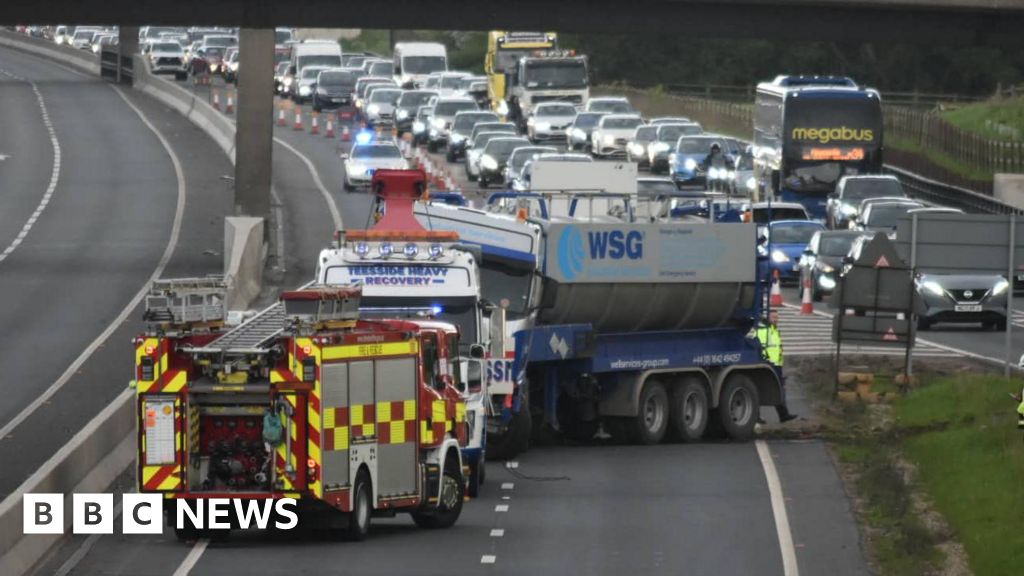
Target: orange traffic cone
(806, 303)
(229, 106)
(281, 120)
(314, 126)
(329, 128)
(216, 100)
(776, 292)
(346, 134)
(297, 126)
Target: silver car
(549, 121)
(613, 134)
(380, 107)
(962, 298)
(367, 158)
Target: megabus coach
(809, 131)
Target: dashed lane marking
(488, 559)
(507, 485)
(497, 533)
(501, 508)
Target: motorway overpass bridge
(950, 22)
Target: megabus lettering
(615, 244)
(840, 134)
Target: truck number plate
(967, 308)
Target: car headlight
(288, 81)
(690, 164)
(608, 139)
(473, 155)
(418, 126)
(713, 173)
(658, 147)
(751, 183)
(488, 162)
(437, 123)
(779, 257)
(826, 282)
(578, 134)
(636, 149)
(848, 209)
(403, 114)
(933, 287)
(827, 269)
(354, 169)
(372, 109)
(542, 126)
(457, 138)
(304, 90)
(1000, 287)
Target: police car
(367, 156)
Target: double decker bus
(504, 49)
(809, 131)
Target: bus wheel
(651, 421)
(738, 407)
(359, 518)
(689, 410)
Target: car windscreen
(694, 145)
(381, 69)
(620, 123)
(745, 162)
(521, 154)
(760, 215)
(450, 82)
(385, 95)
(213, 51)
(556, 110)
(327, 60)
(882, 216)
(222, 41)
(310, 73)
(467, 121)
(501, 148)
(337, 80)
(376, 151)
(423, 64)
(494, 127)
(672, 132)
(586, 121)
(282, 36)
(646, 133)
(172, 47)
(451, 108)
(414, 99)
(860, 189)
(836, 245)
(611, 107)
(793, 234)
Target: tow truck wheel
(689, 410)
(449, 507)
(651, 421)
(738, 407)
(359, 518)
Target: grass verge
(940, 159)
(994, 119)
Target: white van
(414, 61)
(325, 53)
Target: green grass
(961, 434)
(936, 157)
(976, 118)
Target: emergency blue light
(363, 137)
(436, 309)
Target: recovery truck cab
(409, 271)
(350, 417)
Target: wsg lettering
(842, 134)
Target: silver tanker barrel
(648, 276)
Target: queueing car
(686, 162)
(303, 90)
(494, 158)
(333, 89)
(786, 242)
(408, 104)
(613, 133)
(421, 124)
(636, 150)
(579, 132)
(883, 216)
(610, 105)
(445, 110)
(549, 121)
(822, 261)
(366, 157)
(381, 104)
(844, 204)
(962, 298)
(667, 136)
(462, 128)
(517, 161)
(475, 151)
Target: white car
(613, 134)
(448, 83)
(368, 157)
(549, 121)
(167, 57)
(610, 105)
(380, 107)
(307, 77)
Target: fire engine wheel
(453, 491)
(651, 421)
(738, 407)
(359, 518)
(689, 410)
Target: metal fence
(930, 130)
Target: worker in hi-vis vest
(771, 346)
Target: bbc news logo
(143, 513)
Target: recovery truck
(351, 417)
(409, 271)
(641, 326)
(504, 49)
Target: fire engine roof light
(362, 249)
(436, 251)
(364, 137)
(385, 249)
(411, 250)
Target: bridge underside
(950, 22)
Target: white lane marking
(511, 464)
(488, 559)
(789, 565)
(501, 508)
(84, 549)
(497, 532)
(507, 486)
(506, 497)
(193, 556)
(335, 215)
(54, 173)
(4, 157)
(172, 242)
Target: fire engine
(352, 417)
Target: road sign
(961, 243)
(876, 330)
(878, 280)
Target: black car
(333, 89)
(578, 133)
(462, 128)
(822, 262)
(408, 103)
(495, 157)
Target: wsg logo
(826, 135)
(600, 245)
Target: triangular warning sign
(890, 335)
(882, 262)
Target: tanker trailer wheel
(449, 506)
(689, 415)
(651, 422)
(362, 508)
(738, 407)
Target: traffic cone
(297, 126)
(281, 120)
(776, 292)
(329, 128)
(314, 126)
(216, 100)
(346, 134)
(806, 304)
(229, 105)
